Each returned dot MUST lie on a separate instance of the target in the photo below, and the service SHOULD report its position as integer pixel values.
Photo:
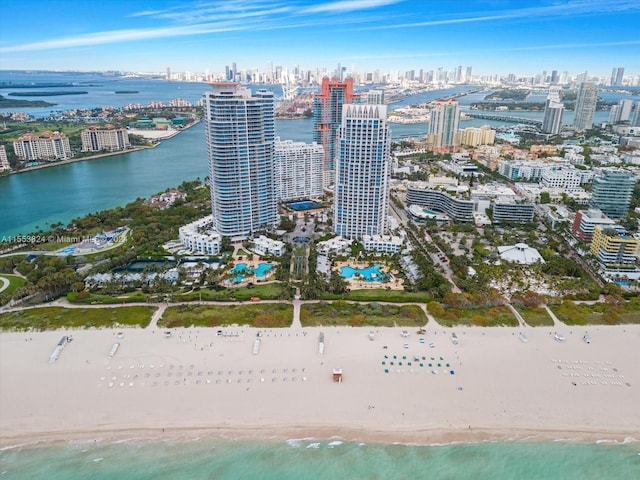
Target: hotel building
(46, 146)
(327, 115)
(586, 221)
(240, 138)
(363, 170)
(111, 139)
(298, 169)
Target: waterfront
(37, 199)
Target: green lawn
(264, 315)
(535, 317)
(572, 313)
(15, 282)
(479, 316)
(267, 291)
(52, 318)
(356, 315)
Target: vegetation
(11, 103)
(535, 317)
(613, 311)
(266, 315)
(476, 315)
(15, 282)
(511, 94)
(359, 314)
(51, 318)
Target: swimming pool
(68, 250)
(369, 274)
(241, 268)
(302, 205)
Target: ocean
(310, 459)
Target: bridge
(504, 118)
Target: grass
(357, 315)
(535, 317)
(572, 313)
(52, 318)
(266, 291)
(478, 316)
(270, 315)
(380, 295)
(15, 282)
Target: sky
(492, 36)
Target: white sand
(509, 390)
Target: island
(11, 103)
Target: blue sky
(501, 36)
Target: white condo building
(443, 125)
(585, 106)
(553, 111)
(298, 169)
(4, 161)
(46, 146)
(240, 137)
(97, 139)
(363, 170)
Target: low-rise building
(200, 237)
(266, 246)
(505, 211)
(442, 202)
(586, 221)
(520, 253)
(612, 248)
(335, 245)
(382, 243)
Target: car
(559, 337)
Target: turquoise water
(369, 274)
(260, 271)
(310, 460)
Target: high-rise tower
(585, 106)
(363, 172)
(240, 137)
(553, 110)
(443, 125)
(327, 115)
(611, 192)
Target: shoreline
(283, 433)
(102, 155)
(198, 382)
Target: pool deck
(394, 284)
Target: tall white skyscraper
(363, 172)
(443, 125)
(240, 137)
(585, 106)
(635, 121)
(554, 108)
(298, 169)
(621, 112)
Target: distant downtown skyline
(362, 35)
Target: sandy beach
(196, 382)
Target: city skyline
(362, 35)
